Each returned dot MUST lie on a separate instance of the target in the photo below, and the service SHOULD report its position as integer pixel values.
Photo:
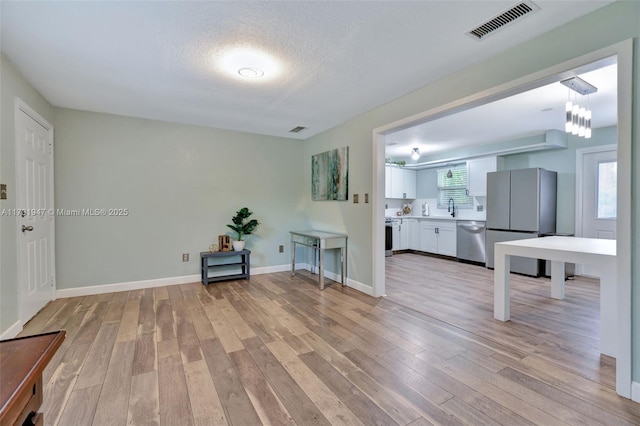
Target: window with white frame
(452, 184)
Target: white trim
(624, 52)
(21, 106)
(12, 331)
(186, 279)
(635, 391)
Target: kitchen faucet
(451, 207)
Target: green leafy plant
(400, 163)
(241, 225)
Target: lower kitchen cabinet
(413, 229)
(438, 236)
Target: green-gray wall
(605, 27)
(12, 85)
(181, 184)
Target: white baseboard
(12, 331)
(159, 282)
(635, 391)
(356, 285)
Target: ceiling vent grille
(297, 129)
(503, 19)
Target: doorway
(623, 53)
(35, 218)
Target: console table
(320, 241)
(22, 361)
(227, 259)
(592, 251)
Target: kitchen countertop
(447, 217)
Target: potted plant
(242, 226)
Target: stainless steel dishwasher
(470, 238)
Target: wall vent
(503, 19)
(297, 129)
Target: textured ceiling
(160, 60)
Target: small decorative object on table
(224, 243)
(242, 226)
(213, 248)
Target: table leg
(608, 315)
(343, 260)
(502, 266)
(293, 258)
(557, 279)
(321, 268)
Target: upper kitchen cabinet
(477, 170)
(400, 183)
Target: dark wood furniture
(22, 361)
(236, 263)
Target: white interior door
(34, 198)
(599, 197)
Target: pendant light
(577, 116)
(415, 154)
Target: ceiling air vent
(297, 129)
(503, 19)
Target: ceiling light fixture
(250, 72)
(248, 63)
(578, 118)
(415, 154)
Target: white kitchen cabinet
(428, 241)
(400, 183)
(447, 239)
(387, 181)
(395, 232)
(413, 227)
(438, 236)
(404, 234)
(477, 170)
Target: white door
(34, 196)
(599, 197)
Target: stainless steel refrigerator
(521, 204)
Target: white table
(600, 253)
(320, 241)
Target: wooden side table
(225, 260)
(22, 361)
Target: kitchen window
(454, 186)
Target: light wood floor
(276, 350)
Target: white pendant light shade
(587, 124)
(575, 121)
(581, 127)
(415, 154)
(569, 117)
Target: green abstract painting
(330, 175)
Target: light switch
(366, 198)
(3, 191)
(355, 199)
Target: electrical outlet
(281, 248)
(185, 257)
(366, 198)
(355, 199)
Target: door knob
(27, 228)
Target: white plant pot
(238, 245)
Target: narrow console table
(320, 241)
(22, 361)
(236, 259)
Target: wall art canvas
(330, 175)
